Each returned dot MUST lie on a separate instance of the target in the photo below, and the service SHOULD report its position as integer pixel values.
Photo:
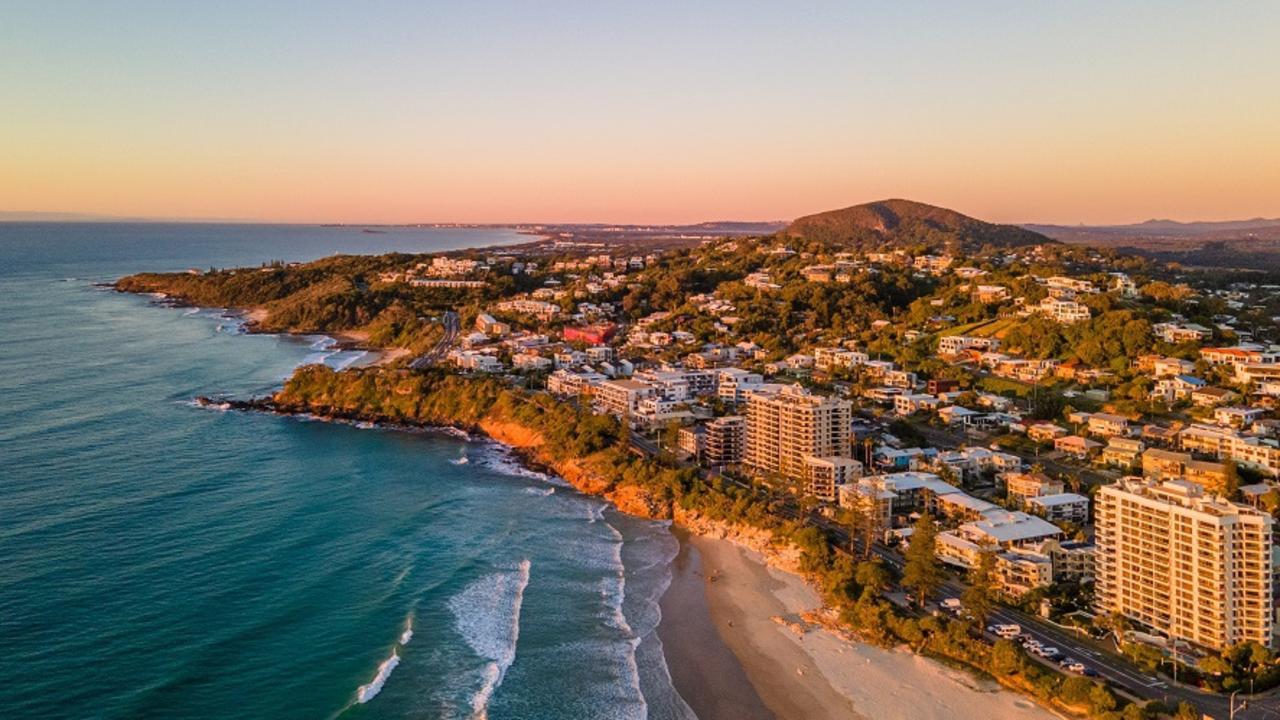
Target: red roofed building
(593, 334)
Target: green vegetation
(903, 224)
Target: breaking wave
(368, 692)
(487, 615)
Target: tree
(979, 596)
(864, 525)
(1231, 478)
(1133, 711)
(872, 576)
(1214, 665)
(1101, 699)
(921, 572)
(1006, 659)
(1186, 711)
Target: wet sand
(703, 669)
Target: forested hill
(908, 225)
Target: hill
(1249, 244)
(901, 224)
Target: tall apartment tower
(726, 440)
(788, 425)
(1192, 566)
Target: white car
(1007, 631)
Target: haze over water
(164, 560)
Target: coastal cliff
(580, 447)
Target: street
(452, 324)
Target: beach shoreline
(801, 671)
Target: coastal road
(452, 325)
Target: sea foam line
(407, 635)
(487, 615)
(368, 692)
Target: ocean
(162, 560)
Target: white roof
(1058, 499)
(1013, 527)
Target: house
(991, 293)
(1237, 417)
(1063, 311)
(1020, 486)
(1076, 446)
(1212, 396)
(954, 344)
(1174, 333)
(1045, 432)
(1168, 367)
(958, 415)
(530, 361)
(1159, 435)
(1107, 425)
(911, 403)
(937, 387)
(487, 325)
(1175, 388)
(1122, 452)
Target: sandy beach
(796, 674)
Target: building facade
(1192, 566)
(785, 427)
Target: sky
(641, 112)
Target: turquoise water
(163, 560)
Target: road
(1109, 665)
(452, 324)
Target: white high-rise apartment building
(788, 425)
(1192, 566)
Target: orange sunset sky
(510, 112)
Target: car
(1077, 667)
(1007, 632)
(1089, 672)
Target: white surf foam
(500, 459)
(487, 615)
(454, 432)
(367, 692)
(540, 491)
(460, 461)
(345, 360)
(407, 635)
